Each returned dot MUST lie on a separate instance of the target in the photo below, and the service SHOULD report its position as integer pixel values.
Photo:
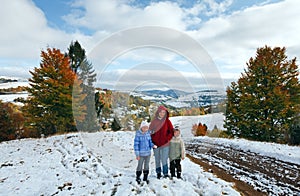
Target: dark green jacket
(177, 149)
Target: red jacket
(162, 129)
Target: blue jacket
(142, 143)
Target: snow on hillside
(179, 99)
(278, 151)
(13, 84)
(103, 163)
(13, 96)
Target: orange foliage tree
(199, 129)
(48, 109)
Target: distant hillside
(178, 98)
(5, 80)
(173, 93)
(12, 82)
(12, 88)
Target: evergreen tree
(49, 106)
(295, 133)
(233, 114)
(264, 102)
(76, 54)
(85, 72)
(87, 75)
(78, 104)
(115, 125)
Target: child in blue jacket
(142, 148)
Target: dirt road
(252, 173)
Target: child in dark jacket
(176, 153)
(142, 148)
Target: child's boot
(146, 172)
(179, 175)
(172, 171)
(179, 171)
(138, 176)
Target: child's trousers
(175, 165)
(144, 161)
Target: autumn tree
(264, 102)
(99, 103)
(48, 108)
(11, 122)
(199, 129)
(104, 99)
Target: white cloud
(24, 30)
(232, 40)
(229, 39)
(114, 16)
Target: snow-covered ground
(103, 163)
(92, 164)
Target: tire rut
(265, 174)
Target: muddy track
(264, 174)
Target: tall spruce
(78, 106)
(264, 103)
(77, 55)
(48, 109)
(86, 74)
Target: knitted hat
(144, 123)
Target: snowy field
(92, 164)
(103, 163)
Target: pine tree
(76, 54)
(87, 75)
(295, 133)
(78, 104)
(49, 106)
(264, 102)
(85, 72)
(233, 114)
(115, 125)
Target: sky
(204, 43)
